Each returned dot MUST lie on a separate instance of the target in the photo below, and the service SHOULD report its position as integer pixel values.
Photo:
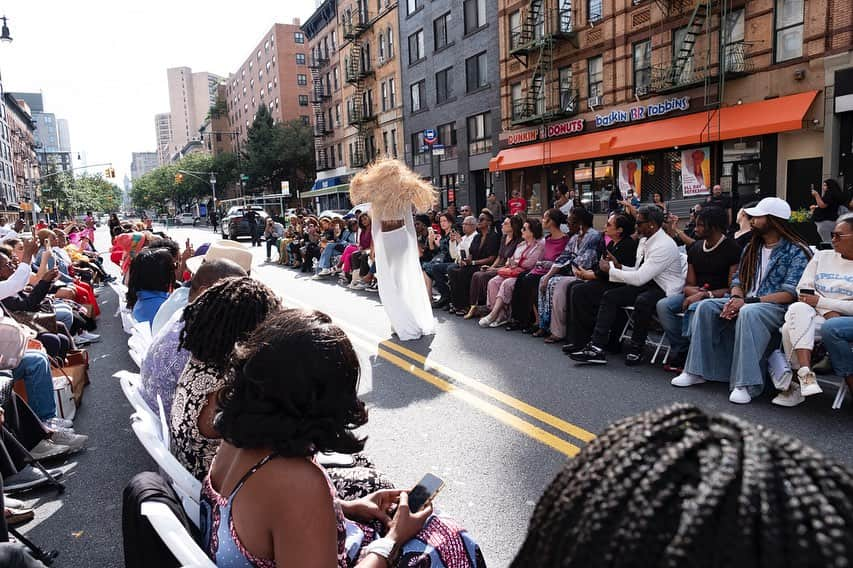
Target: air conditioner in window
(641, 91)
(381, 60)
(594, 102)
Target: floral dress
(187, 444)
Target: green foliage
(85, 192)
(276, 152)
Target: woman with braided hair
(224, 314)
(676, 487)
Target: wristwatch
(752, 300)
(385, 547)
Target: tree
(278, 151)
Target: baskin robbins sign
(549, 131)
(641, 112)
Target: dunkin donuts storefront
(668, 146)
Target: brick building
(672, 96)
(25, 164)
(357, 95)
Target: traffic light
(110, 173)
(179, 178)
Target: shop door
(802, 175)
(479, 189)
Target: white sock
(803, 371)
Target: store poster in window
(630, 177)
(696, 171)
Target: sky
(102, 64)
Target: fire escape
(320, 93)
(357, 67)
(546, 25)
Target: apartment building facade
(672, 96)
(190, 97)
(450, 53)
(141, 163)
(25, 165)
(163, 131)
(274, 74)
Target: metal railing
(483, 146)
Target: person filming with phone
(266, 500)
(824, 308)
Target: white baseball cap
(770, 206)
(223, 249)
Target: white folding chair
(130, 386)
(660, 344)
(839, 396)
(174, 535)
(139, 342)
(184, 483)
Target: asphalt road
(495, 414)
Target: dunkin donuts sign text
(550, 131)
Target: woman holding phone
(825, 307)
(267, 502)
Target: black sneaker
(590, 354)
(571, 348)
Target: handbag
(77, 376)
(14, 339)
(517, 270)
(63, 394)
(41, 322)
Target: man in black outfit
(251, 217)
(719, 199)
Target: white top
(831, 277)
(7, 233)
(17, 282)
(464, 244)
(657, 259)
(762, 270)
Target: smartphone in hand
(424, 492)
(807, 292)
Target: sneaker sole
(590, 361)
(811, 390)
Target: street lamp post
(213, 190)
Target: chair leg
(839, 396)
(45, 558)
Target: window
(440, 26)
(593, 10)
(420, 151)
(392, 93)
(336, 75)
(338, 114)
(642, 66)
(365, 57)
(789, 29)
(301, 79)
(517, 101)
(300, 60)
(305, 119)
(413, 6)
(418, 95)
(381, 47)
(475, 15)
(515, 29)
(385, 142)
(416, 47)
(303, 100)
(447, 134)
(390, 43)
(568, 99)
(480, 133)
(384, 93)
(734, 46)
(595, 78)
(443, 85)
(298, 37)
(475, 72)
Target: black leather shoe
(571, 348)
(529, 330)
(512, 326)
(590, 354)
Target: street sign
(429, 136)
(244, 177)
(437, 151)
(285, 188)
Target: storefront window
(741, 169)
(593, 182)
(447, 189)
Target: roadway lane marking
(520, 405)
(495, 412)
(375, 344)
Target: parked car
(234, 224)
(332, 213)
(186, 219)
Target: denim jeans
(326, 256)
(837, 333)
(734, 351)
(675, 322)
(34, 370)
(64, 313)
(272, 243)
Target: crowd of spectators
(720, 286)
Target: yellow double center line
(418, 366)
(385, 352)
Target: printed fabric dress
(187, 444)
(440, 544)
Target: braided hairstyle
(676, 487)
(752, 252)
(224, 314)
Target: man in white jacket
(659, 272)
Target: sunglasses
(833, 235)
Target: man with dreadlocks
(675, 487)
(730, 336)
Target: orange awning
(741, 121)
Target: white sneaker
(791, 397)
(324, 272)
(70, 439)
(485, 321)
(499, 322)
(686, 379)
(740, 396)
(808, 384)
(47, 449)
(58, 422)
